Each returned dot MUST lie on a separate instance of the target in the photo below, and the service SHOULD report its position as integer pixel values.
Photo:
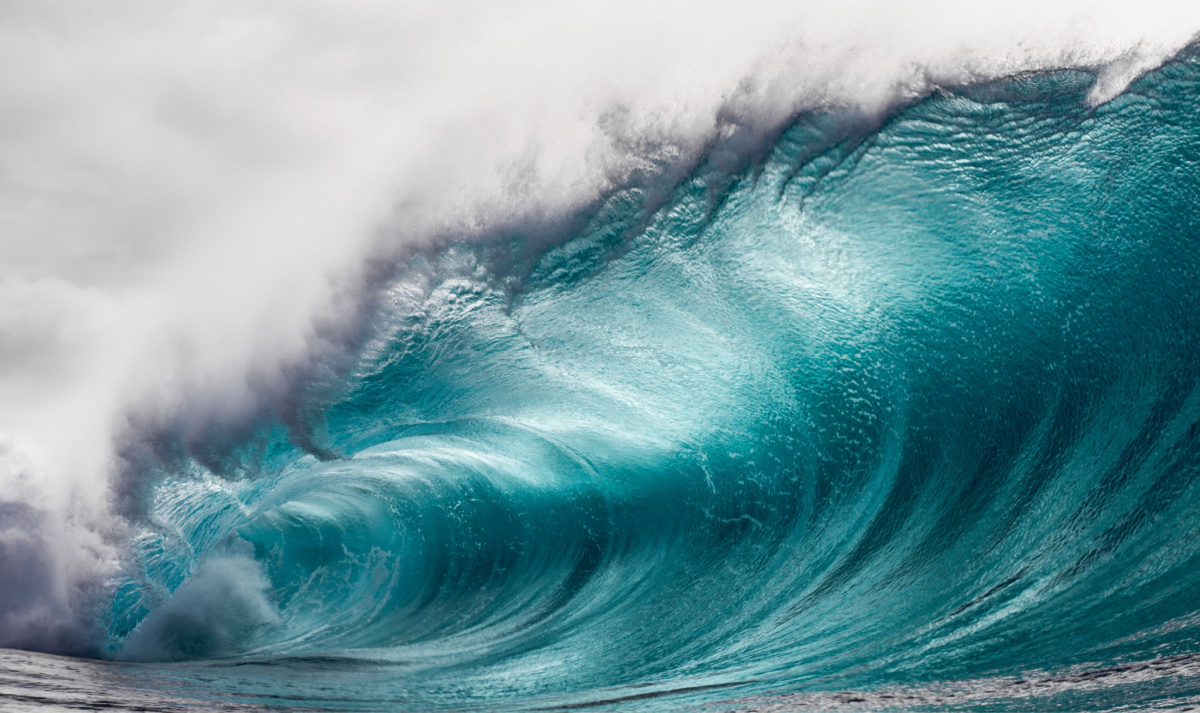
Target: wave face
(887, 408)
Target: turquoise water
(896, 414)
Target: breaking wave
(876, 404)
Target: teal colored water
(897, 415)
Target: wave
(880, 404)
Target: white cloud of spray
(181, 182)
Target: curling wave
(891, 404)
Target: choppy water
(899, 416)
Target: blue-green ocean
(861, 413)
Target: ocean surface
(879, 413)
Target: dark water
(901, 416)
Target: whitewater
(638, 357)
